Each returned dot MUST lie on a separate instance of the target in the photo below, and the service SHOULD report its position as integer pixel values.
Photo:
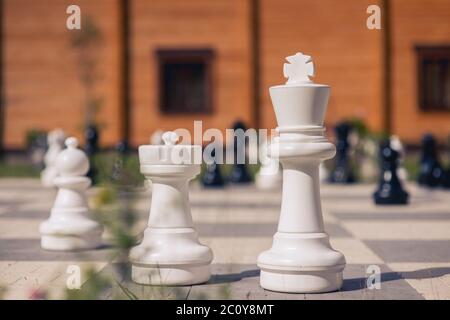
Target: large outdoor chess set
(290, 236)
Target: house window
(434, 78)
(185, 81)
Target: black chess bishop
(91, 148)
(342, 171)
(92, 137)
(390, 190)
(431, 174)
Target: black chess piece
(390, 190)
(91, 136)
(212, 176)
(446, 179)
(91, 148)
(431, 173)
(118, 165)
(342, 171)
(122, 147)
(36, 147)
(239, 172)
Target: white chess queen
(301, 259)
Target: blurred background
(139, 66)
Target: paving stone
(408, 243)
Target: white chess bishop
(301, 259)
(70, 226)
(170, 253)
(55, 141)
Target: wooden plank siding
(43, 91)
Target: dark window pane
(184, 81)
(434, 78)
(446, 85)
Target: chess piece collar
(182, 159)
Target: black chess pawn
(431, 173)
(239, 172)
(342, 171)
(390, 190)
(212, 176)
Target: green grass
(411, 164)
(18, 170)
(225, 169)
(105, 167)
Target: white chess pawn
(55, 141)
(269, 174)
(397, 145)
(69, 226)
(170, 253)
(301, 258)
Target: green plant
(95, 288)
(117, 169)
(86, 43)
(34, 137)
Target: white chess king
(170, 253)
(70, 227)
(269, 175)
(301, 259)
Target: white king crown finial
(299, 68)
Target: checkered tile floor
(410, 244)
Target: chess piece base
(70, 229)
(170, 256)
(70, 243)
(401, 198)
(170, 275)
(239, 174)
(213, 179)
(341, 175)
(314, 281)
(301, 263)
